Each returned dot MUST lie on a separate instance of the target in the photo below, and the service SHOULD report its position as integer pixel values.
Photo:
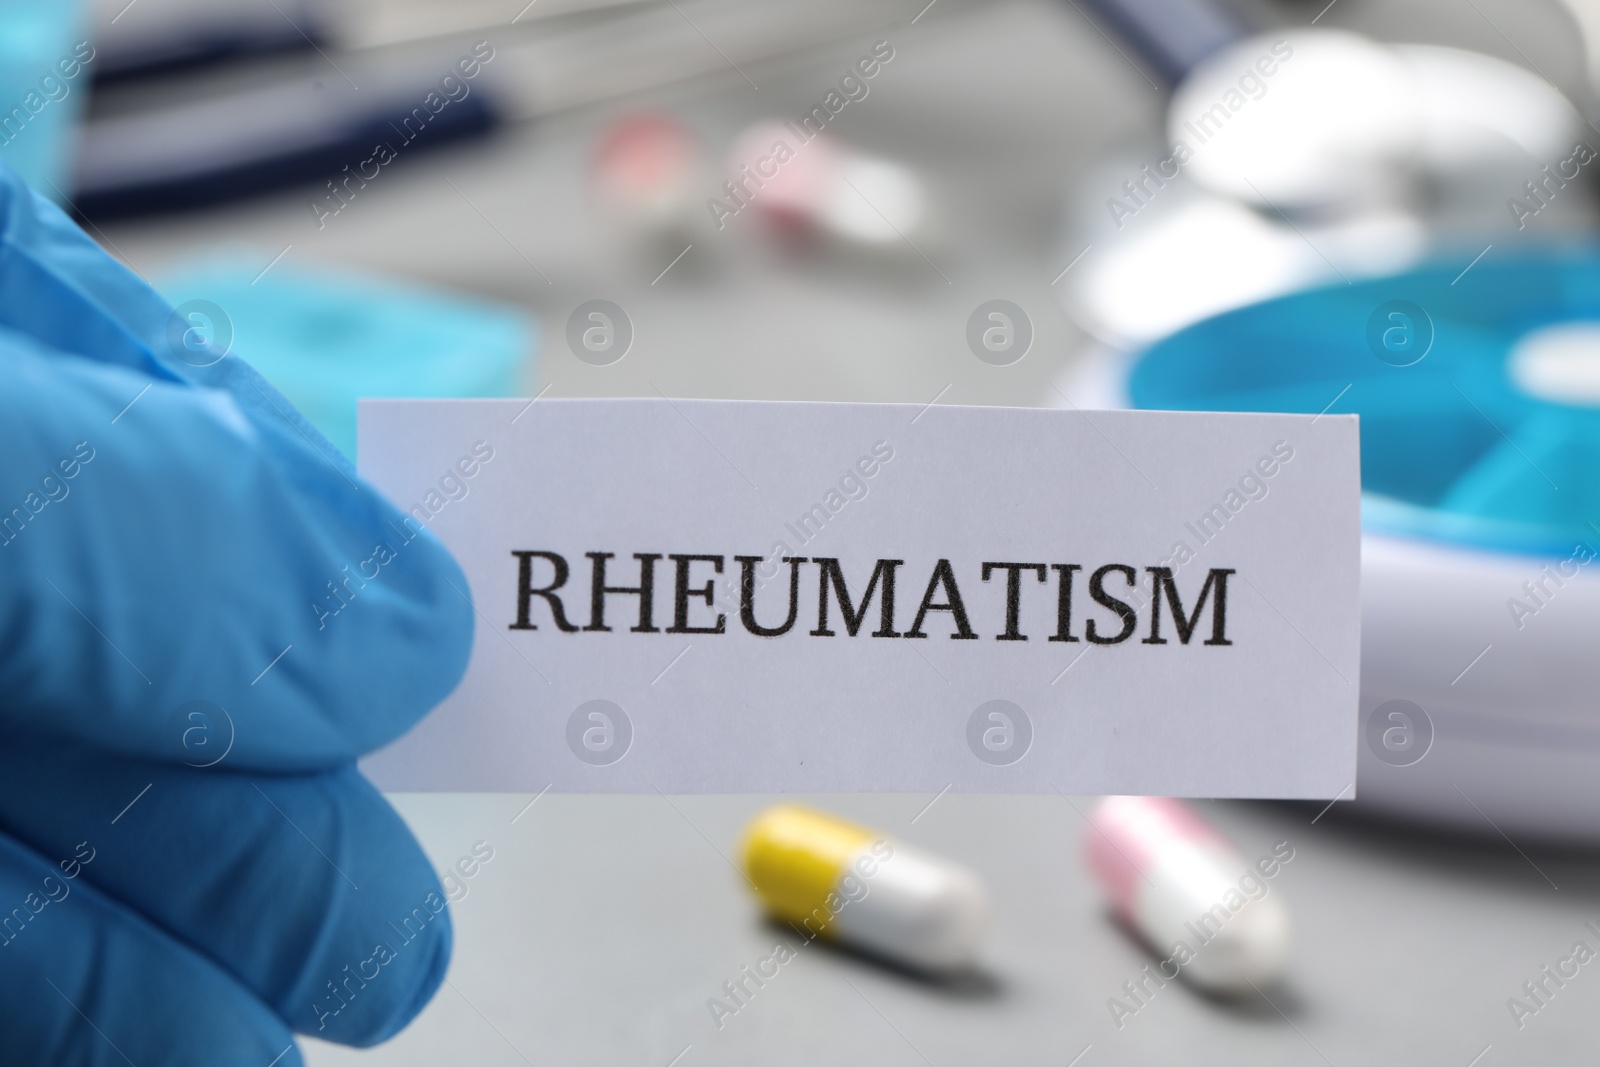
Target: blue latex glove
(168, 534)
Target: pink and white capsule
(1189, 893)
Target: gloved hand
(205, 617)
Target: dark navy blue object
(1173, 36)
(1450, 447)
(299, 133)
(202, 48)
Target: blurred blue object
(176, 776)
(302, 129)
(179, 36)
(44, 79)
(1173, 35)
(325, 338)
(1452, 446)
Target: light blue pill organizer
(1451, 448)
(43, 85)
(325, 338)
(1480, 569)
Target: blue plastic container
(325, 338)
(1451, 448)
(45, 67)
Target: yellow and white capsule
(831, 878)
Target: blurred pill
(822, 189)
(1178, 882)
(648, 171)
(834, 879)
(875, 202)
(781, 180)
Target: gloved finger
(62, 290)
(308, 888)
(87, 983)
(170, 553)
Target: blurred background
(1060, 203)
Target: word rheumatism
(543, 592)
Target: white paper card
(1090, 602)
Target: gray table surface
(603, 924)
